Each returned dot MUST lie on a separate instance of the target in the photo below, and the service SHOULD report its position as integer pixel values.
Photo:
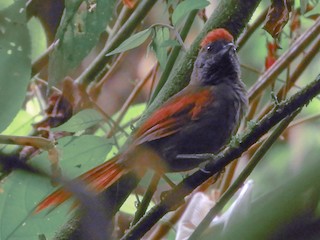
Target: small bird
(201, 118)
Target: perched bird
(201, 118)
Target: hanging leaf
(81, 121)
(277, 17)
(15, 63)
(161, 36)
(78, 33)
(185, 7)
(132, 42)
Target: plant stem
(146, 198)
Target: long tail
(98, 179)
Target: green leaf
(161, 36)
(15, 63)
(19, 194)
(170, 43)
(185, 7)
(81, 121)
(132, 42)
(79, 154)
(21, 191)
(78, 33)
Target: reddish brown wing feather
(172, 116)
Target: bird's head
(217, 59)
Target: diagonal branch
(298, 47)
(176, 197)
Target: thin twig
(97, 87)
(43, 60)
(131, 98)
(123, 16)
(143, 206)
(251, 29)
(304, 120)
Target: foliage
(47, 102)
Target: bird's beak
(227, 48)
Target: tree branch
(176, 197)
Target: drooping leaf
(161, 36)
(277, 17)
(132, 42)
(78, 33)
(81, 121)
(185, 7)
(15, 63)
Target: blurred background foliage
(289, 161)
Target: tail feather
(98, 179)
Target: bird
(201, 118)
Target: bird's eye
(209, 48)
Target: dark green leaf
(15, 63)
(185, 7)
(132, 42)
(78, 33)
(81, 121)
